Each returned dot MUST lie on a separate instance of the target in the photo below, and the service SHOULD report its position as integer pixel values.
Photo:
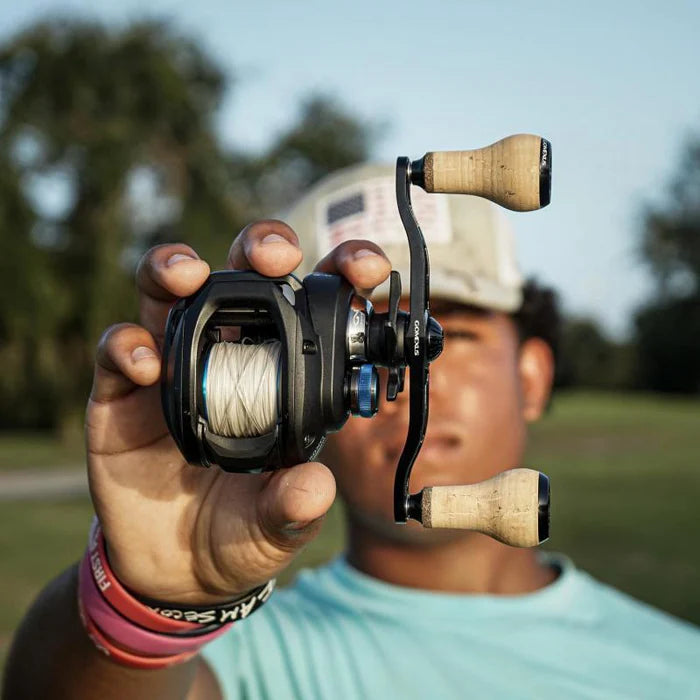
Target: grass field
(37, 450)
(625, 474)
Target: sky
(612, 85)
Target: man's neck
(473, 563)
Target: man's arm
(52, 657)
(227, 533)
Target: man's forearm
(51, 656)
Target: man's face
(476, 425)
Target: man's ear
(536, 371)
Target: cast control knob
(363, 390)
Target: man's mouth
(438, 447)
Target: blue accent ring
(366, 387)
(204, 385)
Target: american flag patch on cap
(368, 211)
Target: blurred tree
(667, 333)
(668, 345)
(108, 146)
(92, 119)
(671, 236)
(324, 137)
(588, 358)
(27, 295)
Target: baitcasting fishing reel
(258, 370)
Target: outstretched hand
(181, 533)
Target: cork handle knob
(515, 172)
(512, 507)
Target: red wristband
(120, 599)
(108, 648)
(129, 636)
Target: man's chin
(453, 472)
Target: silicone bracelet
(128, 635)
(120, 599)
(221, 613)
(125, 658)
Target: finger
(166, 273)
(127, 357)
(269, 247)
(362, 263)
(293, 503)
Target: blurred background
(122, 127)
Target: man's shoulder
(620, 618)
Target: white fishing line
(241, 388)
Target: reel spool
(240, 388)
(258, 370)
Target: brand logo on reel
(416, 337)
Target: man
(407, 612)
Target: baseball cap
(470, 244)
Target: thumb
(294, 502)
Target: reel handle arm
(512, 507)
(514, 172)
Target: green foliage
(121, 125)
(671, 239)
(589, 359)
(26, 286)
(324, 137)
(668, 345)
(667, 329)
(86, 108)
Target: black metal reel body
(310, 399)
(327, 340)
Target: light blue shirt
(337, 633)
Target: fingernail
(274, 238)
(142, 353)
(363, 253)
(178, 257)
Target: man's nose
(440, 385)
